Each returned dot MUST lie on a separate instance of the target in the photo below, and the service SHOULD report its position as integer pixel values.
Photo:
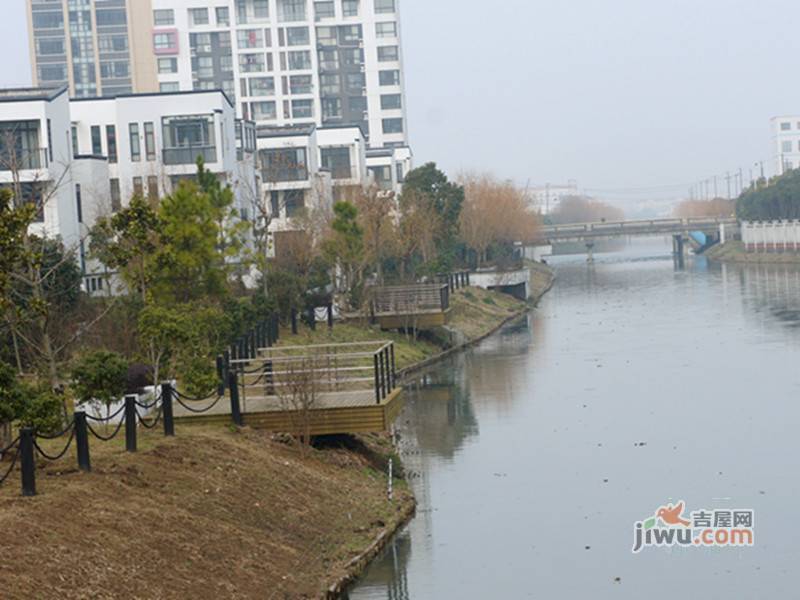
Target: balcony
(189, 155)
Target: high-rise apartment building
(282, 62)
(786, 143)
(97, 47)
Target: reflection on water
(524, 455)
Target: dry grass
(211, 513)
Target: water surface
(524, 452)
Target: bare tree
(298, 388)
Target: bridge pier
(679, 249)
(589, 252)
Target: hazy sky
(615, 94)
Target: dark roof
(270, 131)
(90, 157)
(31, 93)
(146, 94)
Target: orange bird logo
(672, 515)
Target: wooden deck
(334, 412)
(417, 306)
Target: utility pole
(728, 177)
(715, 186)
(741, 181)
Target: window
(116, 196)
(330, 84)
(786, 126)
(302, 109)
(138, 186)
(251, 63)
(786, 146)
(50, 46)
(250, 38)
(203, 66)
(299, 60)
(262, 86)
(97, 143)
(391, 101)
(167, 65)
(389, 77)
(223, 15)
(349, 8)
(295, 202)
(356, 81)
(297, 36)
(383, 176)
(152, 187)
(300, 84)
(112, 43)
(358, 104)
(384, 6)
(111, 17)
(164, 17)
(326, 36)
(324, 10)
(187, 137)
(350, 33)
(111, 142)
(388, 53)
(150, 141)
(164, 42)
(401, 176)
(328, 60)
(136, 150)
(337, 161)
(291, 10)
(169, 86)
(383, 30)
(78, 205)
(283, 164)
(263, 110)
(274, 204)
(353, 57)
(393, 126)
(331, 108)
(198, 16)
(75, 152)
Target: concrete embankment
(735, 252)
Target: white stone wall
(771, 236)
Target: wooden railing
(412, 299)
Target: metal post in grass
(220, 375)
(253, 345)
(166, 408)
(269, 378)
(394, 366)
(312, 319)
(27, 461)
(226, 358)
(330, 315)
(377, 379)
(130, 423)
(294, 321)
(387, 382)
(233, 387)
(82, 441)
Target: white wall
(771, 236)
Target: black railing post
(27, 461)
(330, 315)
(294, 321)
(383, 373)
(166, 407)
(269, 378)
(234, 353)
(442, 300)
(240, 348)
(385, 363)
(312, 319)
(394, 367)
(276, 326)
(130, 423)
(467, 274)
(82, 440)
(220, 375)
(377, 378)
(253, 345)
(233, 386)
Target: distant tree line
(778, 198)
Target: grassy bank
(734, 251)
(207, 514)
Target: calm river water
(526, 456)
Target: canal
(633, 385)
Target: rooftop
(270, 131)
(30, 93)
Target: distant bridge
(682, 231)
(575, 232)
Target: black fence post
(82, 441)
(233, 386)
(330, 315)
(312, 319)
(377, 379)
(394, 367)
(130, 423)
(276, 325)
(467, 274)
(269, 378)
(166, 408)
(253, 345)
(220, 375)
(241, 350)
(234, 351)
(294, 321)
(383, 373)
(27, 461)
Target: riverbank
(222, 512)
(209, 513)
(734, 251)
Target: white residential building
(785, 143)
(546, 198)
(388, 167)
